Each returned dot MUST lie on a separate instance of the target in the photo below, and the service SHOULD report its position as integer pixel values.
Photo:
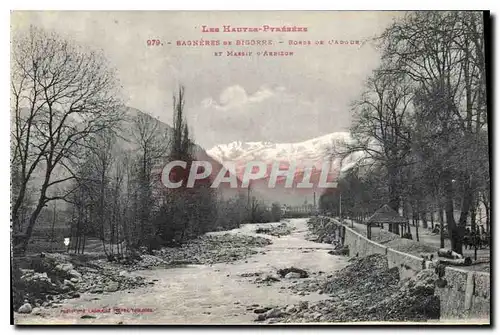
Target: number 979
(153, 42)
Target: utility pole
(248, 202)
(340, 206)
(314, 202)
(52, 235)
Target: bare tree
(443, 53)
(118, 205)
(61, 94)
(102, 159)
(152, 142)
(381, 129)
(423, 117)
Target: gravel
(280, 230)
(366, 290)
(321, 231)
(209, 249)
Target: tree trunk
(83, 243)
(448, 254)
(104, 246)
(457, 262)
(453, 231)
(42, 200)
(52, 233)
(467, 203)
(423, 215)
(432, 220)
(31, 225)
(441, 230)
(394, 192)
(17, 204)
(487, 213)
(417, 223)
(473, 216)
(473, 225)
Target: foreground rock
(25, 308)
(266, 279)
(366, 290)
(292, 272)
(340, 251)
(269, 278)
(52, 278)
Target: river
(202, 294)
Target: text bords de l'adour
(265, 28)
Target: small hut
(385, 214)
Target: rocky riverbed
(208, 293)
(262, 279)
(276, 230)
(48, 279)
(210, 249)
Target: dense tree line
(422, 126)
(72, 141)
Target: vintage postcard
(250, 167)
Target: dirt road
(202, 294)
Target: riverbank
(219, 293)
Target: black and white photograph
(253, 168)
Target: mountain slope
(198, 152)
(125, 145)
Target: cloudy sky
(279, 99)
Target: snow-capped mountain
(315, 149)
(313, 152)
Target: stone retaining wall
(466, 294)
